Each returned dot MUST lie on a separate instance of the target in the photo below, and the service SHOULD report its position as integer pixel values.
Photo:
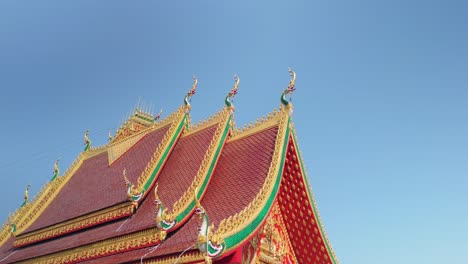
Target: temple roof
(172, 191)
(102, 183)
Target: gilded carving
(237, 222)
(141, 239)
(75, 224)
(181, 204)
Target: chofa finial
(191, 93)
(87, 141)
(26, 195)
(156, 118)
(11, 223)
(290, 89)
(232, 93)
(56, 169)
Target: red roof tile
(7, 250)
(184, 162)
(183, 239)
(95, 185)
(239, 175)
(300, 218)
(182, 167)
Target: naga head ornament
(157, 201)
(290, 89)
(232, 93)
(156, 118)
(87, 141)
(191, 93)
(292, 82)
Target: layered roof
(217, 193)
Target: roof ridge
(48, 193)
(260, 124)
(185, 206)
(206, 122)
(153, 168)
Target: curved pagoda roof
(167, 191)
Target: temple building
(168, 191)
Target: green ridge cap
(187, 210)
(235, 239)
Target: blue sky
(380, 106)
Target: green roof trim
(234, 240)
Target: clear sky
(381, 103)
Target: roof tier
(184, 163)
(219, 193)
(102, 185)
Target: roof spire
(190, 93)
(232, 93)
(56, 169)
(110, 137)
(128, 184)
(156, 118)
(26, 195)
(290, 89)
(12, 223)
(87, 141)
(203, 227)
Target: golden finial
(86, 138)
(10, 219)
(191, 93)
(289, 89)
(56, 168)
(124, 173)
(293, 78)
(87, 141)
(232, 93)
(156, 196)
(197, 201)
(194, 85)
(156, 118)
(110, 137)
(26, 193)
(236, 84)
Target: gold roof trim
(205, 123)
(141, 239)
(117, 148)
(220, 118)
(75, 224)
(26, 215)
(237, 222)
(189, 257)
(176, 118)
(23, 217)
(265, 122)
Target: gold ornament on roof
(128, 184)
(290, 89)
(190, 93)
(56, 168)
(156, 118)
(26, 194)
(232, 93)
(87, 141)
